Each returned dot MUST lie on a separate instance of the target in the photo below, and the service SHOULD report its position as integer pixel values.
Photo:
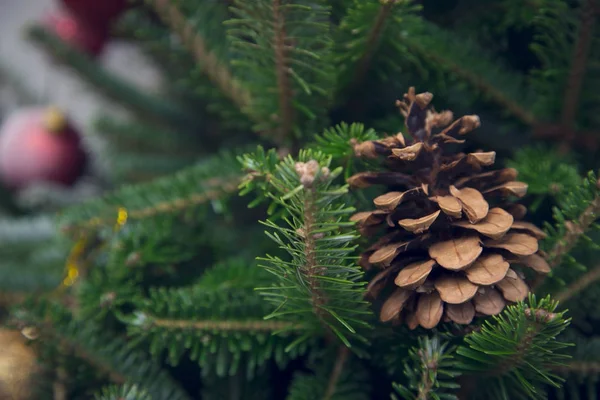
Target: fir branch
(582, 368)
(331, 377)
(124, 392)
(223, 325)
(516, 350)
(221, 304)
(282, 70)
(369, 43)
(282, 50)
(211, 179)
(578, 67)
(336, 372)
(476, 81)
(179, 65)
(147, 137)
(311, 267)
(373, 38)
(580, 284)
(429, 373)
(149, 107)
(319, 286)
(574, 217)
(208, 61)
(546, 171)
(462, 58)
(574, 231)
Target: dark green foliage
(187, 78)
(217, 322)
(573, 228)
(125, 392)
(337, 142)
(168, 267)
(238, 387)
(331, 377)
(30, 243)
(582, 370)
(370, 40)
(546, 172)
(517, 349)
(430, 373)
(208, 180)
(283, 55)
(110, 354)
(258, 166)
(319, 283)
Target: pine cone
(451, 238)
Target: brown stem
(475, 80)
(372, 40)
(284, 86)
(578, 66)
(207, 60)
(427, 386)
(311, 268)
(336, 372)
(163, 207)
(581, 368)
(580, 284)
(588, 139)
(258, 325)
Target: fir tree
(226, 259)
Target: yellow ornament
(17, 366)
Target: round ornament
(17, 366)
(99, 14)
(82, 36)
(39, 145)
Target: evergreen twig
(222, 325)
(579, 367)
(163, 207)
(336, 372)
(580, 284)
(574, 231)
(577, 70)
(517, 349)
(284, 87)
(430, 372)
(321, 287)
(208, 61)
(482, 86)
(372, 40)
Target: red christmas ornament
(82, 36)
(39, 145)
(97, 13)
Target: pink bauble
(39, 145)
(82, 36)
(97, 13)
